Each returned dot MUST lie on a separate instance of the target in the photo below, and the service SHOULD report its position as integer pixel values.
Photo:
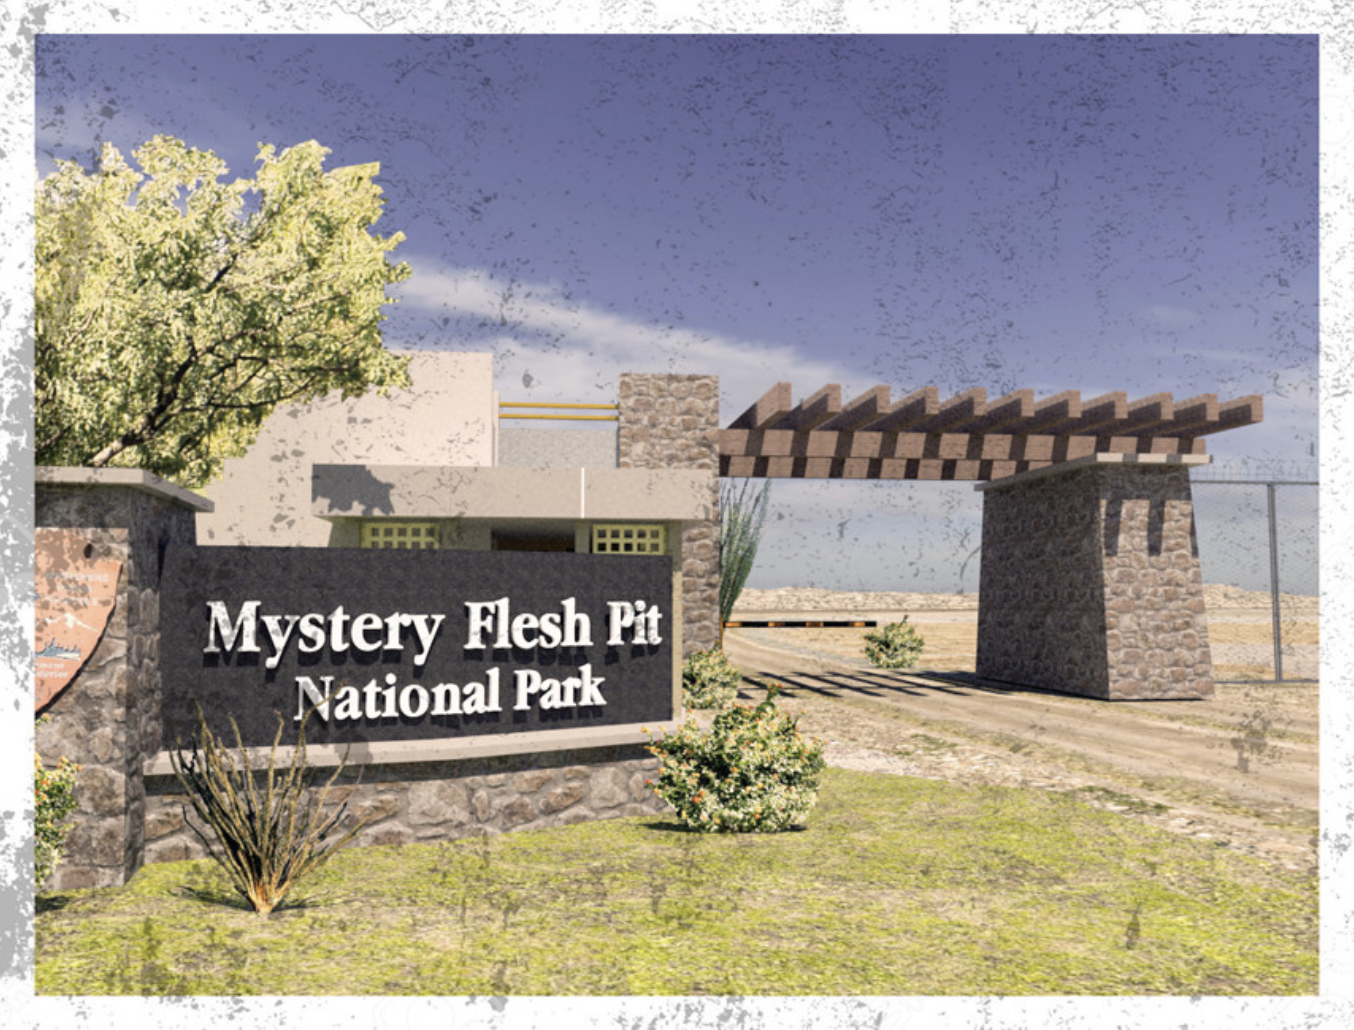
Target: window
(622, 539)
(519, 541)
(409, 536)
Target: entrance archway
(1089, 580)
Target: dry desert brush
(271, 828)
(897, 645)
(741, 515)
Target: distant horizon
(965, 593)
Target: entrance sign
(388, 645)
(75, 596)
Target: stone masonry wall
(1155, 619)
(1041, 614)
(1090, 584)
(432, 801)
(672, 421)
(107, 720)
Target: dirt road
(1240, 769)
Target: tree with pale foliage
(175, 311)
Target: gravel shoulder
(1239, 769)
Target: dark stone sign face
(388, 645)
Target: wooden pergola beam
(940, 469)
(1154, 415)
(869, 438)
(861, 411)
(814, 410)
(1233, 414)
(956, 412)
(1056, 410)
(1099, 411)
(784, 443)
(1203, 415)
(1196, 411)
(1016, 406)
(914, 408)
(773, 405)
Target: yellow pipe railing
(573, 418)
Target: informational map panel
(390, 645)
(75, 597)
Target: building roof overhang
(497, 492)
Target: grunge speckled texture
(861, 211)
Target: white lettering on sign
(366, 632)
(567, 627)
(489, 624)
(638, 617)
(348, 703)
(221, 627)
(365, 624)
(575, 692)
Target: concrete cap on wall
(418, 491)
(136, 479)
(451, 749)
(1099, 458)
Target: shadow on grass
(663, 827)
(51, 902)
(226, 898)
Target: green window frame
(629, 538)
(388, 534)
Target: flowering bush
(709, 681)
(895, 646)
(54, 799)
(752, 772)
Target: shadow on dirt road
(1240, 768)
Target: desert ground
(1239, 769)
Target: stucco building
(443, 465)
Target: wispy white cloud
(850, 534)
(554, 346)
(1244, 359)
(1171, 315)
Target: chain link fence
(1257, 531)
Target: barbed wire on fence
(1243, 470)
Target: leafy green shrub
(709, 680)
(895, 646)
(54, 799)
(267, 838)
(751, 772)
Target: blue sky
(1131, 213)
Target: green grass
(896, 886)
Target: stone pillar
(672, 422)
(1090, 581)
(108, 718)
